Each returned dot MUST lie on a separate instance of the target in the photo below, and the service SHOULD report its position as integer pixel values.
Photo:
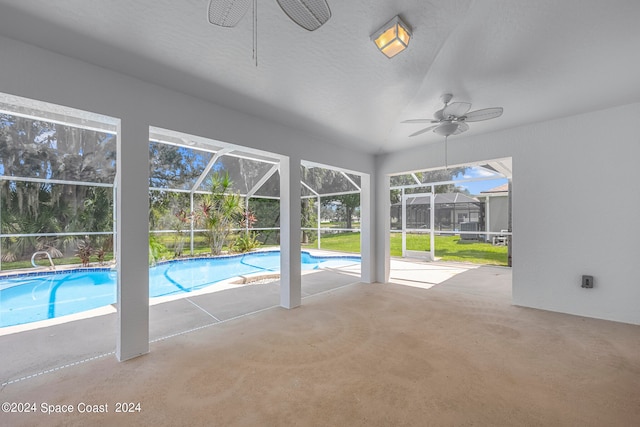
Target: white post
(367, 231)
(318, 208)
(192, 220)
(114, 216)
(1, 231)
(290, 217)
(382, 226)
(132, 224)
(404, 225)
(487, 218)
(432, 225)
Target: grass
(448, 248)
(344, 242)
(57, 261)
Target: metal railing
(33, 259)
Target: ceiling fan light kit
(393, 37)
(446, 128)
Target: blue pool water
(37, 296)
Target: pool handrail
(33, 257)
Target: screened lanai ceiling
(540, 60)
(184, 163)
(494, 169)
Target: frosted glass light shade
(392, 38)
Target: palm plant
(84, 251)
(181, 222)
(27, 209)
(221, 212)
(105, 245)
(248, 240)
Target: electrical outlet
(587, 282)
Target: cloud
(478, 172)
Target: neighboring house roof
(440, 199)
(499, 189)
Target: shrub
(246, 242)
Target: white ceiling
(538, 59)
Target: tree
(267, 213)
(175, 167)
(32, 148)
(220, 212)
(426, 177)
(309, 219)
(182, 222)
(348, 205)
(170, 211)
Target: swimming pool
(31, 297)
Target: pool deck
(54, 344)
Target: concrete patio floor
(32, 352)
(417, 351)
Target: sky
(477, 187)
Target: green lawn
(448, 248)
(345, 242)
(57, 261)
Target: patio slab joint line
(330, 290)
(214, 317)
(48, 371)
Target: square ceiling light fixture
(393, 37)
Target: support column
(191, 222)
(367, 230)
(510, 225)
(432, 224)
(382, 247)
(319, 222)
(290, 218)
(404, 224)
(132, 247)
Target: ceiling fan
(309, 14)
(452, 118)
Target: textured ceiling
(539, 60)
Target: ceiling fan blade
(456, 109)
(484, 114)
(420, 132)
(309, 14)
(420, 121)
(227, 13)
(462, 127)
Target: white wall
(575, 203)
(39, 74)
